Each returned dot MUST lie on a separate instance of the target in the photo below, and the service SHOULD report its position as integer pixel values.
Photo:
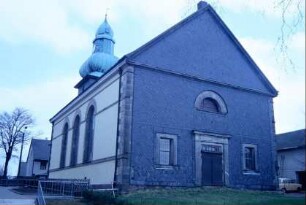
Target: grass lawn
(65, 202)
(205, 196)
(210, 196)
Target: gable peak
(202, 5)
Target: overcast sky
(44, 42)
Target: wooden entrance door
(212, 172)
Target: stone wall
(165, 103)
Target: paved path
(9, 197)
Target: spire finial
(106, 14)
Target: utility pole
(22, 140)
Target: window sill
(251, 173)
(166, 167)
(217, 113)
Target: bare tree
(13, 131)
(1, 171)
(292, 18)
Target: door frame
(202, 138)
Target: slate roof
(40, 149)
(290, 140)
(205, 7)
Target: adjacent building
(188, 108)
(291, 155)
(38, 159)
(23, 169)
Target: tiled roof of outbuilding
(41, 149)
(289, 140)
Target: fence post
(72, 188)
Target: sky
(43, 43)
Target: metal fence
(40, 195)
(60, 187)
(51, 187)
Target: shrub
(100, 198)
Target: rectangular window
(166, 149)
(43, 165)
(249, 158)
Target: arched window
(64, 146)
(210, 105)
(75, 141)
(89, 135)
(211, 102)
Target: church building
(189, 108)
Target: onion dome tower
(102, 58)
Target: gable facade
(166, 104)
(203, 47)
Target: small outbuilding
(291, 155)
(38, 159)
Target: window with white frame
(166, 150)
(249, 158)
